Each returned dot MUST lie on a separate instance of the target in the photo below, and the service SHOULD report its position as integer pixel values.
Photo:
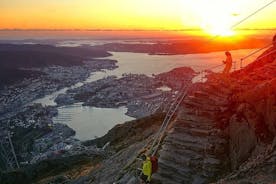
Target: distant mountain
(44, 55)
(191, 46)
(13, 57)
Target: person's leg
(224, 70)
(227, 69)
(144, 178)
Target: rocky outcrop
(242, 140)
(252, 124)
(195, 149)
(260, 167)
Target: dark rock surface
(195, 149)
(252, 125)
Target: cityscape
(137, 92)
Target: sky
(212, 15)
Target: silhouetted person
(274, 41)
(228, 63)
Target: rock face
(253, 121)
(242, 140)
(195, 149)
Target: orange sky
(133, 14)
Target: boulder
(242, 140)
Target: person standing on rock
(146, 169)
(228, 63)
(274, 41)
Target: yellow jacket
(147, 168)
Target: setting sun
(216, 28)
(218, 23)
(218, 16)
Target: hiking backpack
(154, 164)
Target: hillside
(122, 137)
(223, 132)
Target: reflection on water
(89, 122)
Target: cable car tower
(8, 159)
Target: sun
(218, 28)
(217, 17)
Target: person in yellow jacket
(146, 169)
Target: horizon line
(147, 30)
